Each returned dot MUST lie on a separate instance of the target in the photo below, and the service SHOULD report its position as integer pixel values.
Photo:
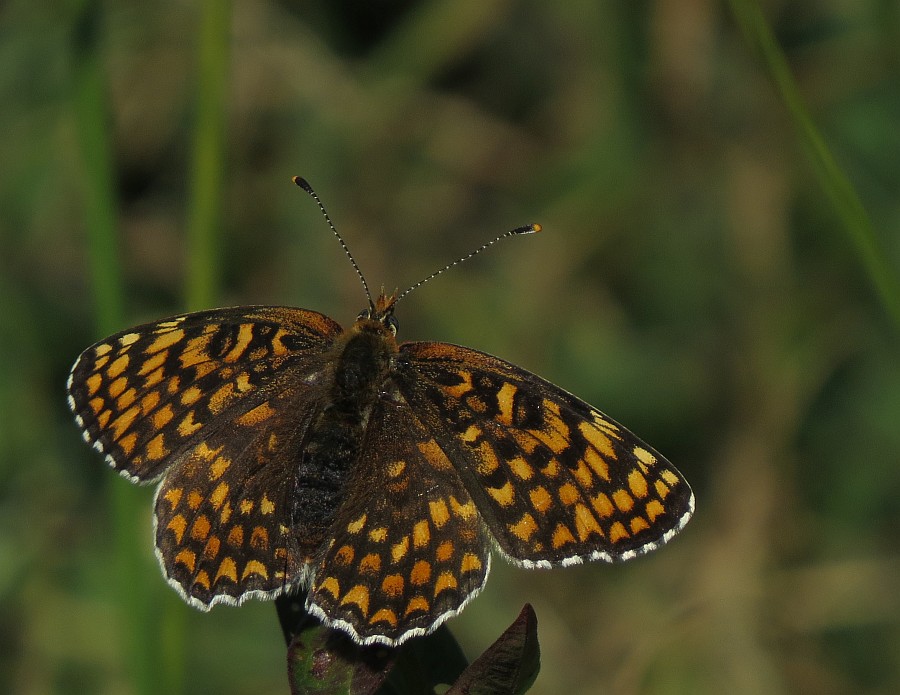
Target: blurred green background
(715, 272)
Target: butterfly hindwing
(223, 510)
(556, 481)
(408, 549)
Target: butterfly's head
(382, 310)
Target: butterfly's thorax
(362, 359)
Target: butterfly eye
(364, 314)
(392, 324)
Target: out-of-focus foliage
(693, 281)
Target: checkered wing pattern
(143, 396)
(292, 453)
(216, 403)
(224, 510)
(408, 550)
(556, 481)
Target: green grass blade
(205, 213)
(203, 241)
(834, 181)
(92, 117)
(92, 120)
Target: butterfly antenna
(527, 229)
(304, 184)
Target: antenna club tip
(527, 229)
(302, 182)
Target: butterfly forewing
(408, 549)
(145, 394)
(556, 481)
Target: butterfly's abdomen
(362, 363)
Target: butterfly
(291, 454)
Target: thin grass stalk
(92, 117)
(204, 218)
(205, 212)
(836, 184)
